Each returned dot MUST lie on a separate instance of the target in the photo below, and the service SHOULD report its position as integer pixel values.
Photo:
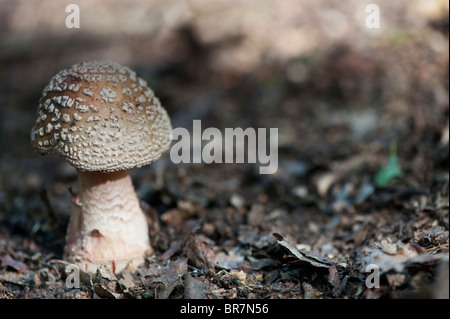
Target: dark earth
(363, 146)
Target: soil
(345, 100)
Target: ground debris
(7, 261)
(26, 279)
(433, 236)
(336, 104)
(304, 257)
(408, 255)
(163, 279)
(106, 284)
(440, 289)
(199, 288)
(230, 260)
(199, 253)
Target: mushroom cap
(99, 116)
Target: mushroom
(104, 120)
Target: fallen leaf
(228, 262)
(199, 253)
(127, 283)
(104, 292)
(194, 288)
(259, 264)
(165, 278)
(17, 278)
(409, 255)
(8, 262)
(304, 257)
(333, 278)
(106, 285)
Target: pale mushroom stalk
(108, 226)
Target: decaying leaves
(304, 257)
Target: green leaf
(391, 170)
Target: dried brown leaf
(8, 262)
(199, 253)
(304, 257)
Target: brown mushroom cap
(99, 116)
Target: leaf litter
(212, 226)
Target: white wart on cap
(99, 116)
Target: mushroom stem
(109, 226)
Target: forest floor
(327, 224)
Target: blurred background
(337, 91)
